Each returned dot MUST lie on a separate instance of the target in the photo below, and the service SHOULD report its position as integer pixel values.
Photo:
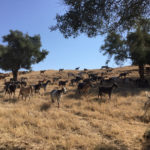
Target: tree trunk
(141, 71)
(15, 74)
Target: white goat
(57, 94)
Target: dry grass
(81, 123)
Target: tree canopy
(21, 51)
(95, 17)
(135, 46)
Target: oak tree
(21, 51)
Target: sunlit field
(81, 123)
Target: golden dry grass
(81, 123)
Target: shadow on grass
(6, 147)
(110, 147)
(73, 94)
(10, 100)
(45, 106)
(46, 94)
(100, 101)
(128, 91)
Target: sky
(35, 17)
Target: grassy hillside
(81, 123)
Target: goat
(124, 74)
(44, 85)
(62, 83)
(23, 78)
(25, 91)
(10, 88)
(105, 67)
(147, 103)
(77, 68)
(57, 94)
(72, 81)
(42, 81)
(84, 87)
(56, 79)
(37, 88)
(23, 83)
(42, 71)
(76, 80)
(94, 77)
(70, 75)
(107, 90)
(60, 70)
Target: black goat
(77, 68)
(107, 90)
(124, 74)
(60, 70)
(63, 83)
(10, 88)
(76, 80)
(37, 88)
(105, 67)
(55, 79)
(83, 88)
(44, 85)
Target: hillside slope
(81, 123)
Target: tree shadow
(73, 94)
(127, 91)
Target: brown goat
(83, 88)
(25, 92)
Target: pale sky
(35, 17)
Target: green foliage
(95, 17)
(136, 46)
(137, 43)
(115, 46)
(21, 51)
